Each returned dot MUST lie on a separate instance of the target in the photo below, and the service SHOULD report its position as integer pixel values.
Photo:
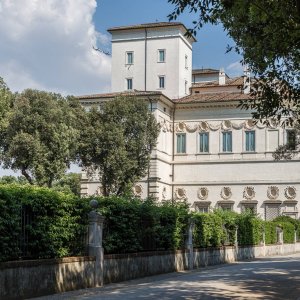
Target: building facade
(209, 153)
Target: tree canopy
(117, 142)
(40, 136)
(267, 35)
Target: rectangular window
(161, 82)
(227, 141)
(129, 83)
(186, 87)
(129, 58)
(291, 139)
(181, 143)
(186, 62)
(250, 141)
(203, 142)
(161, 55)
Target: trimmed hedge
(50, 223)
(208, 230)
(250, 229)
(133, 225)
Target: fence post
(295, 237)
(95, 242)
(189, 244)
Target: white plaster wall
(175, 45)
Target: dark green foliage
(68, 183)
(208, 230)
(266, 33)
(270, 232)
(117, 142)
(133, 225)
(51, 223)
(229, 220)
(41, 135)
(250, 229)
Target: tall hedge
(270, 232)
(135, 225)
(250, 229)
(208, 230)
(52, 229)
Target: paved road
(268, 278)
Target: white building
(209, 152)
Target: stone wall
(32, 278)
(25, 279)
(121, 267)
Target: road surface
(266, 278)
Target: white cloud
(48, 44)
(235, 69)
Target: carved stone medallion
(290, 192)
(249, 192)
(202, 193)
(273, 192)
(226, 192)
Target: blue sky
(210, 49)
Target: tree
(8, 179)
(117, 143)
(41, 136)
(68, 183)
(267, 34)
(291, 148)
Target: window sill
(181, 154)
(203, 153)
(128, 65)
(249, 152)
(226, 153)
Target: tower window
(161, 82)
(129, 58)
(186, 61)
(161, 55)
(129, 83)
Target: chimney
(222, 77)
(246, 87)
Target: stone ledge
(42, 262)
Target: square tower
(152, 57)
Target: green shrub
(288, 231)
(250, 229)
(49, 221)
(270, 232)
(229, 221)
(208, 230)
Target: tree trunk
(27, 176)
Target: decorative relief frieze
(249, 192)
(290, 192)
(224, 125)
(226, 193)
(202, 193)
(165, 125)
(273, 192)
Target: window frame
(164, 81)
(158, 55)
(126, 58)
(247, 132)
(287, 133)
(200, 142)
(130, 79)
(180, 151)
(224, 149)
